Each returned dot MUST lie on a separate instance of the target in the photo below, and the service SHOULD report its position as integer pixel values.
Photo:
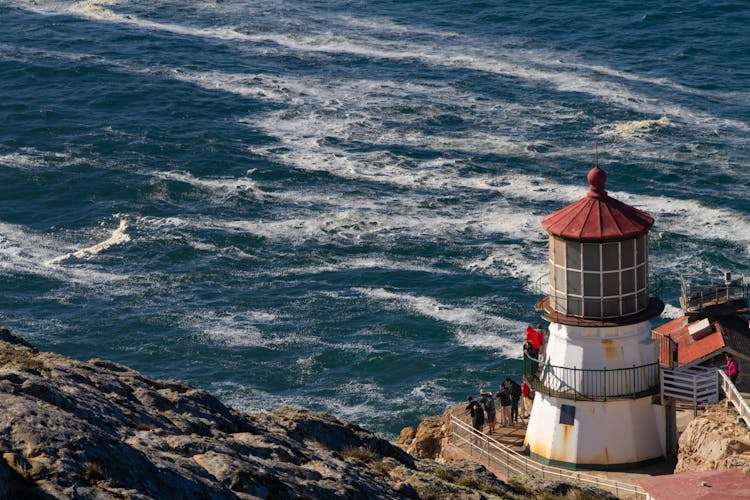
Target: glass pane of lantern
(592, 284)
(591, 257)
(611, 284)
(573, 255)
(640, 248)
(627, 249)
(628, 281)
(574, 282)
(592, 307)
(611, 308)
(559, 251)
(611, 256)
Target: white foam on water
(34, 159)
(118, 237)
(244, 328)
(358, 263)
(473, 328)
(632, 129)
(258, 85)
(386, 25)
(524, 263)
(681, 216)
(23, 161)
(225, 185)
(96, 6)
(462, 56)
(671, 312)
(24, 251)
(383, 219)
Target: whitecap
(632, 129)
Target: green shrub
(469, 482)
(360, 453)
(93, 472)
(518, 486)
(445, 475)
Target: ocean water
(337, 204)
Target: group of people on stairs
(508, 398)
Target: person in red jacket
(533, 337)
(540, 333)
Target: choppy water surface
(337, 204)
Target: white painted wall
(598, 348)
(603, 433)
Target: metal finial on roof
(596, 158)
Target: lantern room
(598, 256)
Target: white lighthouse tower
(595, 385)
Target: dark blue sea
(337, 204)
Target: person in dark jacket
(515, 397)
(531, 365)
(489, 408)
(477, 413)
(503, 395)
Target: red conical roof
(597, 217)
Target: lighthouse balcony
(592, 384)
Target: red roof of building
(690, 350)
(727, 483)
(597, 217)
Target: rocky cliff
(716, 439)
(96, 429)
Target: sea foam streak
(118, 237)
(466, 56)
(498, 333)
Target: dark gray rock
(99, 430)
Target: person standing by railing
(503, 395)
(527, 399)
(532, 355)
(515, 398)
(477, 413)
(733, 369)
(489, 408)
(542, 341)
(532, 336)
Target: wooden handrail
(513, 462)
(733, 396)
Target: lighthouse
(596, 381)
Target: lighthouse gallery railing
(592, 384)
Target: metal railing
(733, 396)
(591, 384)
(503, 460)
(695, 384)
(696, 298)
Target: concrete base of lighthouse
(598, 435)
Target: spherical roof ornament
(597, 178)
(597, 217)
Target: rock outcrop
(716, 439)
(430, 438)
(98, 430)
